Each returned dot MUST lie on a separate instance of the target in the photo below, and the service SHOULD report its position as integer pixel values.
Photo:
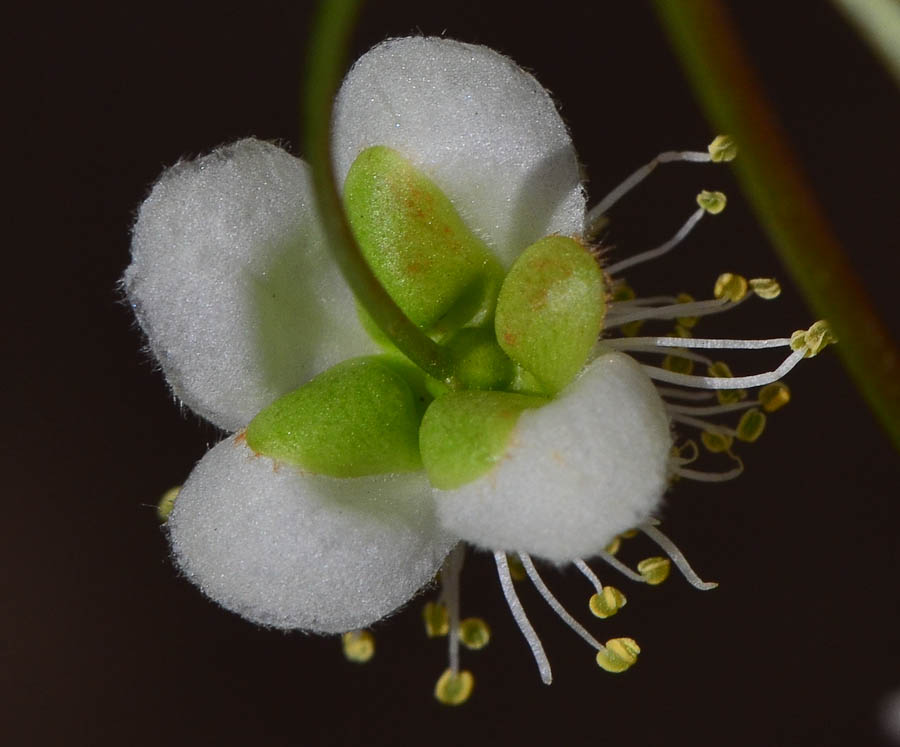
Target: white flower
(232, 281)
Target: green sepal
(437, 271)
(360, 417)
(550, 310)
(465, 434)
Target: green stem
(326, 64)
(710, 50)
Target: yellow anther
(751, 425)
(516, 569)
(608, 602)
(677, 364)
(723, 148)
(774, 396)
(167, 503)
(474, 633)
(686, 321)
(620, 654)
(712, 202)
(766, 288)
(814, 340)
(682, 331)
(437, 621)
(655, 570)
(720, 370)
(730, 286)
(454, 688)
(613, 547)
(716, 442)
(623, 292)
(359, 645)
(629, 534)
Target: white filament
(629, 343)
(518, 613)
(673, 311)
(589, 574)
(596, 213)
(554, 603)
(677, 557)
(732, 382)
(450, 571)
(622, 568)
(662, 248)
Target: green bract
(550, 310)
(360, 417)
(464, 434)
(436, 270)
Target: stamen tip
(712, 202)
(723, 148)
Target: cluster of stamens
(691, 400)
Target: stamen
(650, 348)
(677, 557)
(518, 613)
(665, 391)
(593, 220)
(645, 301)
(698, 476)
(737, 382)
(655, 570)
(359, 646)
(703, 425)
(691, 445)
(710, 409)
(589, 574)
(622, 568)
(617, 343)
(436, 619)
(450, 571)
(554, 603)
(774, 396)
(661, 249)
(673, 311)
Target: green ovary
(358, 418)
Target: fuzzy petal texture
(232, 282)
(291, 550)
(578, 471)
(482, 128)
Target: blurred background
(103, 644)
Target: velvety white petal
(578, 471)
(481, 127)
(293, 550)
(232, 282)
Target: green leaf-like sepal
(464, 434)
(550, 310)
(436, 270)
(360, 417)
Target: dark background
(103, 645)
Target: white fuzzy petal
(290, 550)
(482, 128)
(231, 280)
(578, 471)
